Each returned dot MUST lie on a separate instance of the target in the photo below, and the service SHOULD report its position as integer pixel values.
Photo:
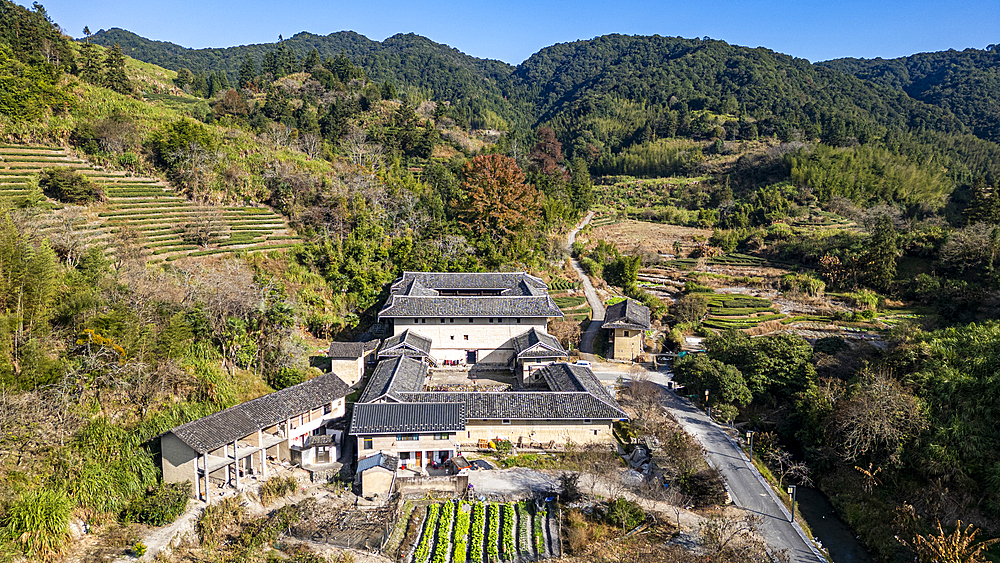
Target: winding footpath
(747, 488)
(597, 317)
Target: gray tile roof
(466, 306)
(506, 294)
(565, 377)
(526, 405)
(229, 425)
(406, 343)
(537, 344)
(351, 350)
(464, 280)
(378, 460)
(400, 418)
(627, 314)
(391, 377)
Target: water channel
(837, 538)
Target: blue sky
(512, 31)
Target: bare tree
(193, 168)
(878, 418)
(311, 144)
(361, 152)
(207, 227)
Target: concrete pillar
(208, 492)
(236, 469)
(197, 479)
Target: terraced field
(170, 226)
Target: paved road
(597, 317)
(746, 486)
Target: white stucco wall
(451, 339)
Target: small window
(626, 334)
(368, 444)
(466, 336)
(442, 321)
(505, 421)
(595, 432)
(518, 321)
(404, 456)
(470, 320)
(453, 337)
(442, 436)
(327, 409)
(499, 320)
(407, 437)
(586, 421)
(491, 320)
(452, 320)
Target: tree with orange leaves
(495, 200)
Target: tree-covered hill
(408, 61)
(583, 85)
(963, 82)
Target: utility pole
(750, 436)
(791, 491)
(708, 407)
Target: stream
(837, 538)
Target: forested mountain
(963, 82)
(615, 83)
(408, 61)
(611, 91)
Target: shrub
(161, 505)
(37, 522)
(68, 186)
(277, 487)
(625, 514)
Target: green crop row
(493, 539)
(423, 548)
(174, 249)
(476, 539)
(462, 518)
(509, 550)
(444, 533)
(524, 528)
(739, 311)
(539, 536)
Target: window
(403, 456)
(499, 320)
(327, 409)
(518, 321)
(466, 336)
(626, 334)
(453, 337)
(595, 432)
(368, 444)
(586, 421)
(452, 320)
(442, 321)
(491, 320)
(407, 437)
(505, 421)
(442, 436)
(470, 320)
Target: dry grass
(637, 237)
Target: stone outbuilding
(348, 359)
(626, 323)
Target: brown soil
(637, 237)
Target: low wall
(456, 484)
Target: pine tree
(248, 73)
(115, 77)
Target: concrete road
(745, 484)
(597, 317)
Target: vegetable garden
(478, 532)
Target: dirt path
(594, 300)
